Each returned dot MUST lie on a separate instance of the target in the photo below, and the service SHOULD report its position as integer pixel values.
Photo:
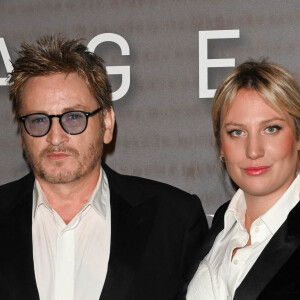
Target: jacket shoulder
(13, 191)
(136, 189)
(155, 187)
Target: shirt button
(236, 261)
(228, 298)
(256, 229)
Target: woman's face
(259, 146)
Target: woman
(253, 251)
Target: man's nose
(56, 135)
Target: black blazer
(156, 231)
(276, 273)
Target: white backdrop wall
(164, 129)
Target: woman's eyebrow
(262, 122)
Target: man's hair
(56, 54)
(273, 83)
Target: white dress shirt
(71, 260)
(219, 275)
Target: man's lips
(255, 171)
(57, 155)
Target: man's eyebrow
(71, 108)
(76, 107)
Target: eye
(73, 116)
(236, 132)
(36, 120)
(273, 129)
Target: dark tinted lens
(74, 122)
(37, 124)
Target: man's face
(59, 157)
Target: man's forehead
(61, 91)
(60, 76)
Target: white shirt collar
(235, 212)
(273, 218)
(98, 200)
(278, 213)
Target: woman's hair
(273, 83)
(55, 54)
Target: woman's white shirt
(218, 275)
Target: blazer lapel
(117, 266)
(216, 228)
(280, 248)
(129, 226)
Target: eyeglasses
(72, 122)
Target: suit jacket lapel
(280, 248)
(117, 266)
(216, 228)
(129, 226)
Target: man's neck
(67, 199)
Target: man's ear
(21, 136)
(21, 132)
(109, 124)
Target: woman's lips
(256, 171)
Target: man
(73, 229)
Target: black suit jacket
(276, 273)
(156, 231)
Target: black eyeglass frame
(50, 117)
